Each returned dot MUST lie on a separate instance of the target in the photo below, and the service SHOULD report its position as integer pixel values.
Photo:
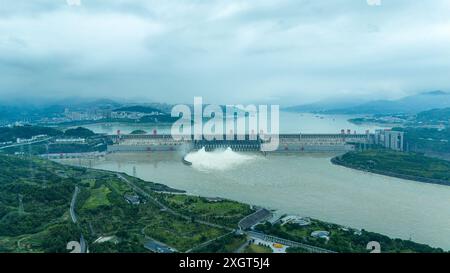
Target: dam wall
(287, 143)
(148, 148)
(315, 148)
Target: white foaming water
(218, 160)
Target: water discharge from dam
(217, 160)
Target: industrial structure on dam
(343, 142)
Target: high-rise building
(389, 139)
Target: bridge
(254, 218)
(287, 142)
(277, 240)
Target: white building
(389, 139)
(70, 140)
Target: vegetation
(254, 248)
(94, 143)
(227, 244)
(412, 166)
(377, 119)
(153, 115)
(35, 196)
(138, 132)
(223, 212)
(427, 140)
(26, 132)
(34, 205)
(158, 119)
(296, 250)
(79, 132)
(341, 239)
(436, 116)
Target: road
(164, 207)
(254, 218)
(72, 205)
(23, 144)
(83, 244)
(285, 242)
(21, 209)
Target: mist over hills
(408, 105)
(33, 109)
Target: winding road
(164, 207)
(83, 244)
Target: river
(302, 184)
(290, 123)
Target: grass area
(226, 244)
(179, 233)
(136, 223)
(405, 165)
(45, 225)
(257, 249)
(98, 197)
(296, 250)
(221, 211)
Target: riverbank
(107, 121)
(409, 166)
(327, 191)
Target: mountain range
(407, 105)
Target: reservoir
(290, 123)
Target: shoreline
(323, 219)
(84, 123)
(337, 161)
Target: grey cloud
(286, 51)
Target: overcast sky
(230, 51)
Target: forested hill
(35, 197)
(34, 201)
(12, 133)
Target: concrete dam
(287, 143)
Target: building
(321, 234)
(33, 138)
(132, 199)
(214, 199)
(70, 140)
(393, 140)
(297, 220)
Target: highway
(72, 205)
(286, 242)
(83, 244)
(254, 218)
(23, 144)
